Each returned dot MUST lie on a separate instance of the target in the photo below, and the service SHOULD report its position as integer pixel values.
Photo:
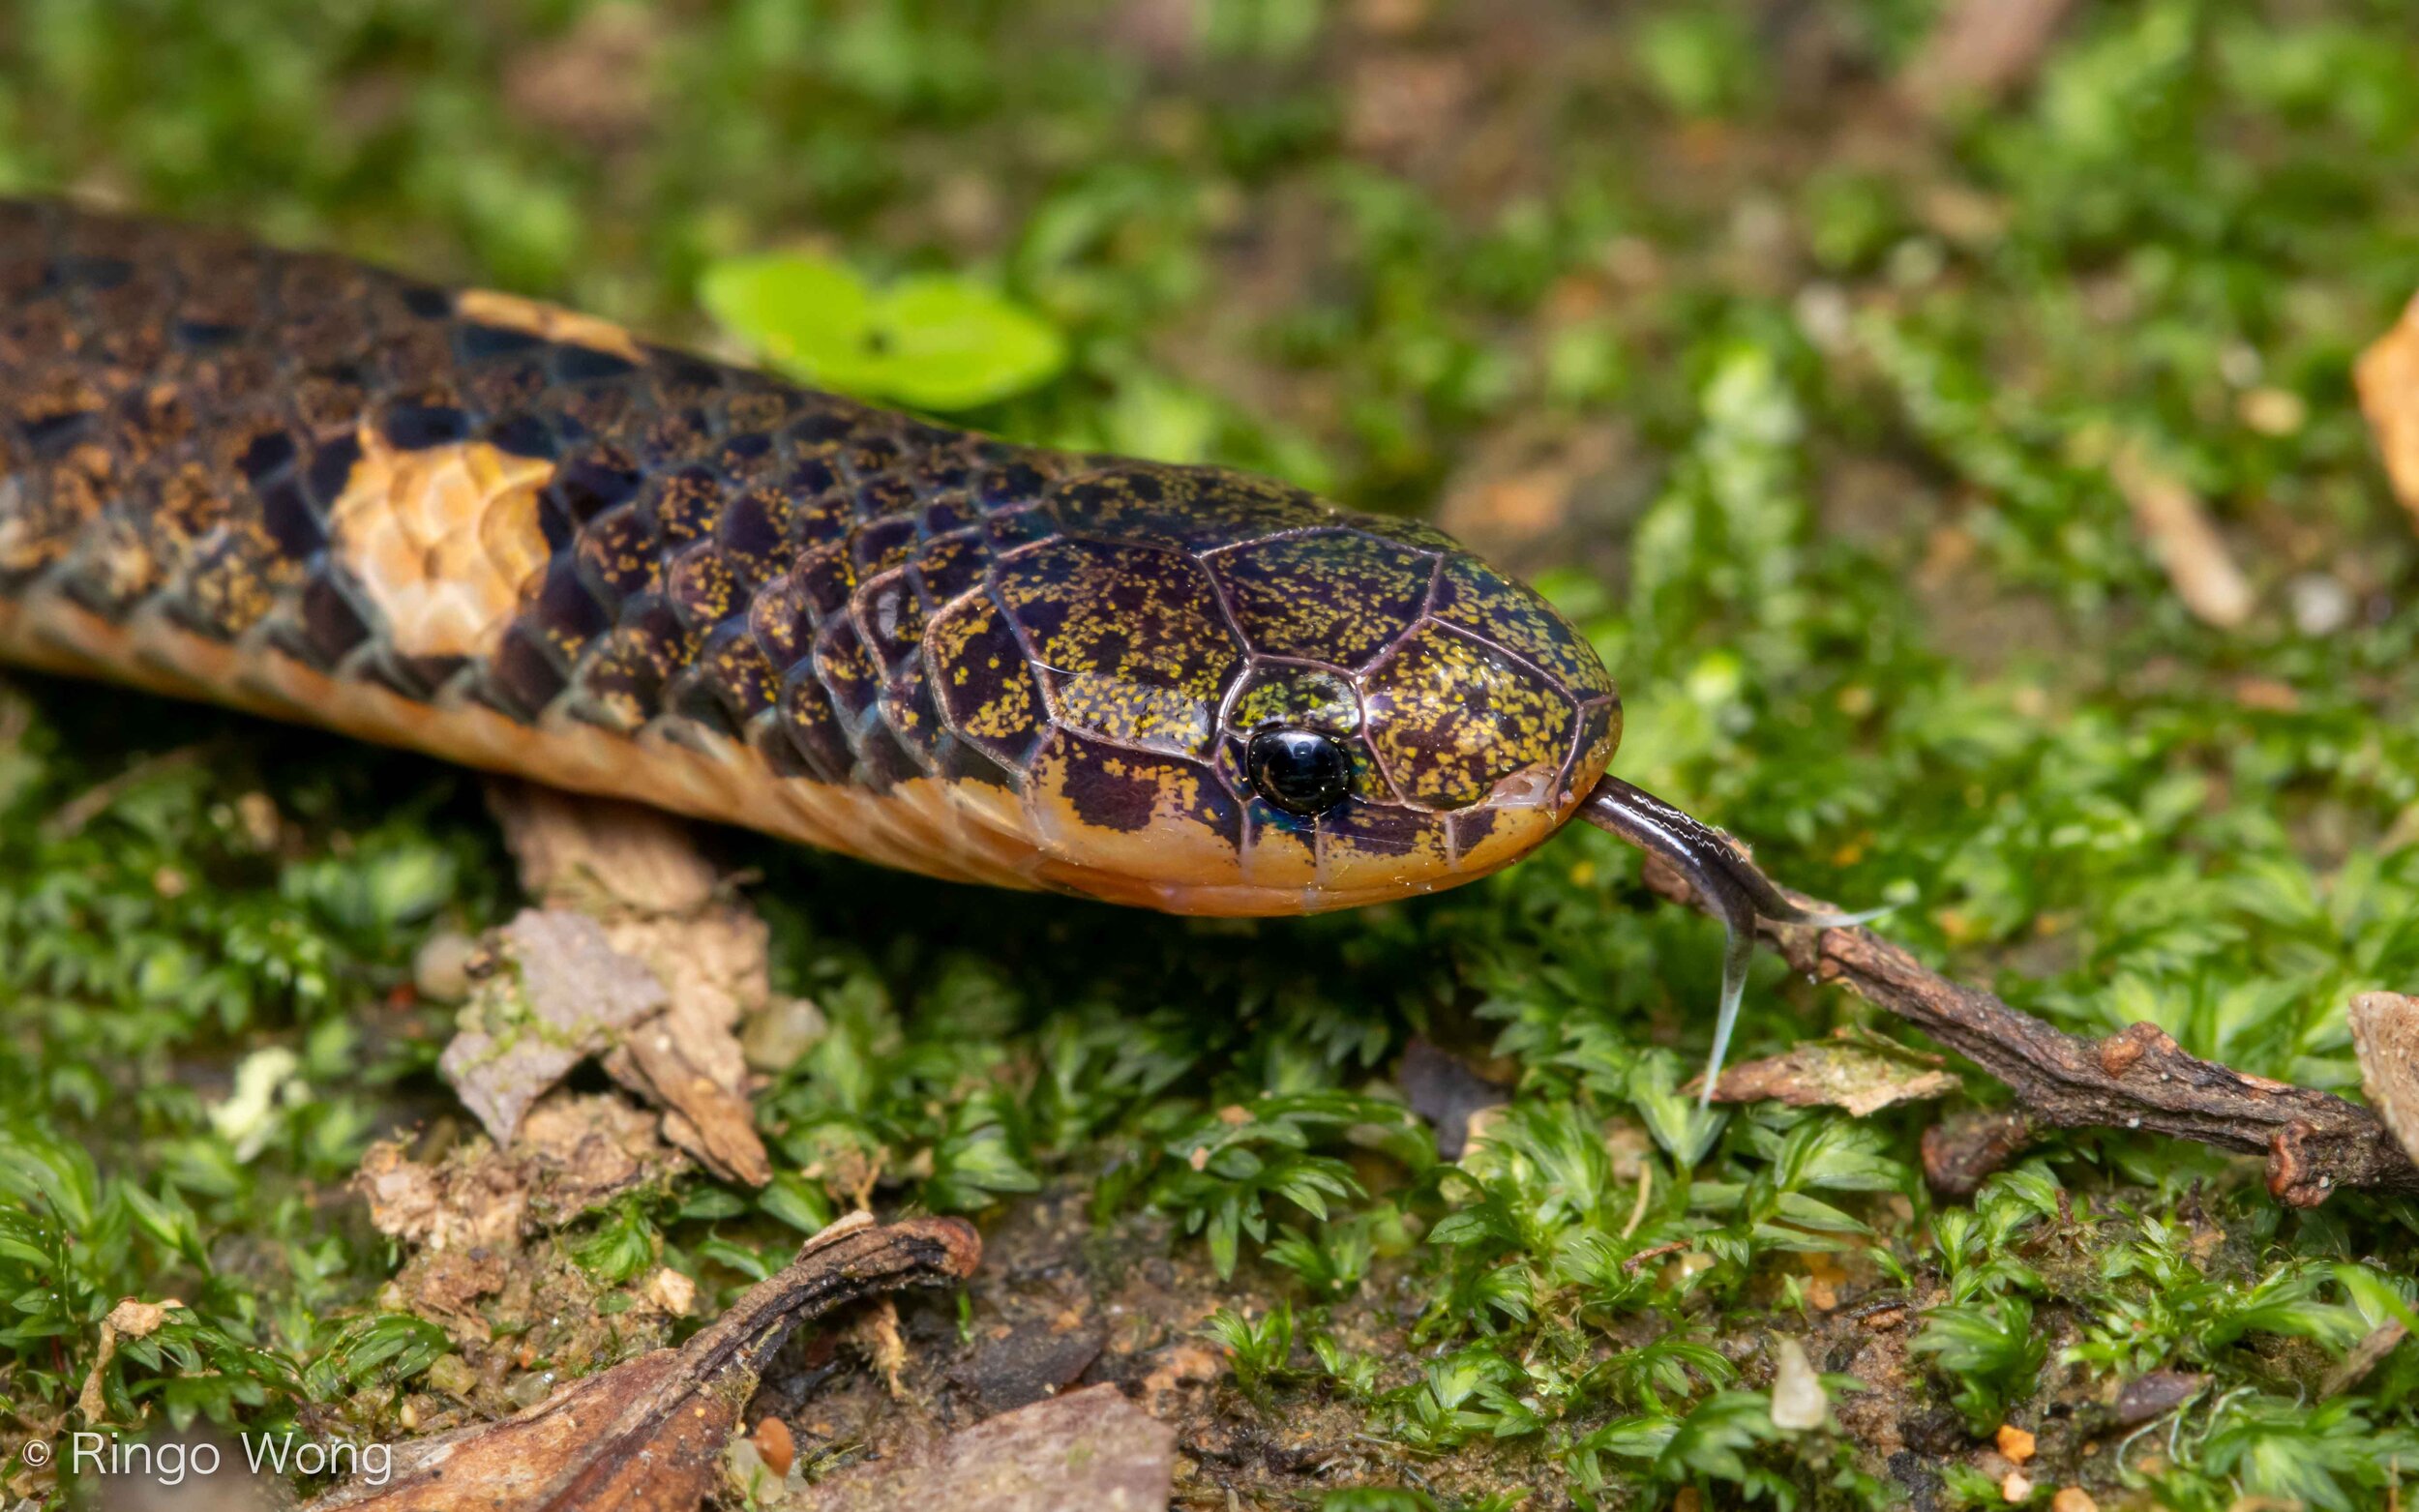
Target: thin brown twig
(648, 1435)
(2137, 1078)
(1656, 1252)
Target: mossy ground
(1819, 413)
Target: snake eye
(1299, 770)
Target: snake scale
(519, 538)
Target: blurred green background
(1846, 376)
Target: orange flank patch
(548, 322)
(443, 540)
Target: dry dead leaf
(688, 1058)
(2387, 376)
(2385, 1034)
(1091, 1449)
(2188, 546)
(133, 1318)
(649, 1434)
(130, 1318)
(659, 903)
(1861, 1073)
(572, 996)
(670, 1291)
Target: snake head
(1233, 697)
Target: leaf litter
(649, 1434)
(637, 959)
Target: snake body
(521, 539)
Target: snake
(523, 539)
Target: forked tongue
(1733, 889)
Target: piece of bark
(571, 997)
(2387, 378)
(2136, 1079)
(1860, 1074)
(649, 1433)
(1962, 1153)
(1091, 1449)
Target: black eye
(1299, 770)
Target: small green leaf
(933, 341)
(799, 1204)
(955, 345)
(712, 1202)
(806, 315)
(1681, 1125)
